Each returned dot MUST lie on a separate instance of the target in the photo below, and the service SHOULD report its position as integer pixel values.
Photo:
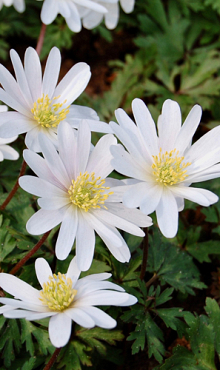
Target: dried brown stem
(15, 188)
(30, 254)
(53, 359)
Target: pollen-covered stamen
(57, 293)
(88, 192)
(48, 113)
(169, 167)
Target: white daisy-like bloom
(6, 152)
(40, 103)
(91, 18)
(165, 165)
(64, 298)
(19, 5)
(75, 192)
(70, 11)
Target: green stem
(30, 254)
(53, 359)
(149, 282)
(145, 254)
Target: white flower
(91, 18)
(40, 104)
(64, 298)
(74, 191)
(164, 166)
(18, 4)
(68, 9)
(6, 152)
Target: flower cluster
(90, 13)
(75, 191)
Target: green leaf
(10, 341)
(29, 332)
(201, 251)
(172, 265)
(74, 354)
(213, 311)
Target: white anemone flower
(6, 152)
(68, 9)
(75, 192)
(165, 165)
(40, 105)
(64, 298)
(19, 5)
(92, 18)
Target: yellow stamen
(169, 168)
(87, 191)
(47, 113)
(57, 293)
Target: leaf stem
(40, 40)
(30, 254)
(145, 254)
(53, 359)
(15, 188)
(149, 282)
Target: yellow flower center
(47, 113)
(169, 168)
(88, 192)
(57, 293)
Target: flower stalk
(53, 359)
(145, 254)
(40, 40)
(29, 254)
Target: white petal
(127, 5)
(103, 298)
(73, 271)
(132, 215)
(100, 158)
(43, 271)
(151, 200)
(167, 214)
(67, 233)
(111, 18)
(49, 11)
(80, 317)
(146, 125)
(188, 129)
(74, 82)
(40, 187)
(19, 288)
(67, 147)
(100, 318)
(85, 243)
(201, 196)
(32, 68)
(43, 221)
(9, 153)
(169, 124)
(18, 125)
(83, 147)
(14, 103)
(51, 72)
(59, 329)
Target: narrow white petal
(201, 196)
(67, 147)
(73, 271)
(9, 153)
(16, 126)
(188, 129)
(101, 319)
(19, 288)
(43, 221)
(135, 194)
(151, 200)
(111, 18)
(67, 233)
(169, 125)
(51, 72)
(104, 298)
(15, 303)
(74, 82)
(54, 161)
(40, 187)
(167, 214)
(32, 68)
(80, 317)
(100, 158)
(127, 5)
(83, 147)
(43, 270)
(146, 125)
(59, 329)
(49, 11)
(127, 165)
(132, 215)
(85, 243)
(12, 102)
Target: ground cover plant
(109, 186)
